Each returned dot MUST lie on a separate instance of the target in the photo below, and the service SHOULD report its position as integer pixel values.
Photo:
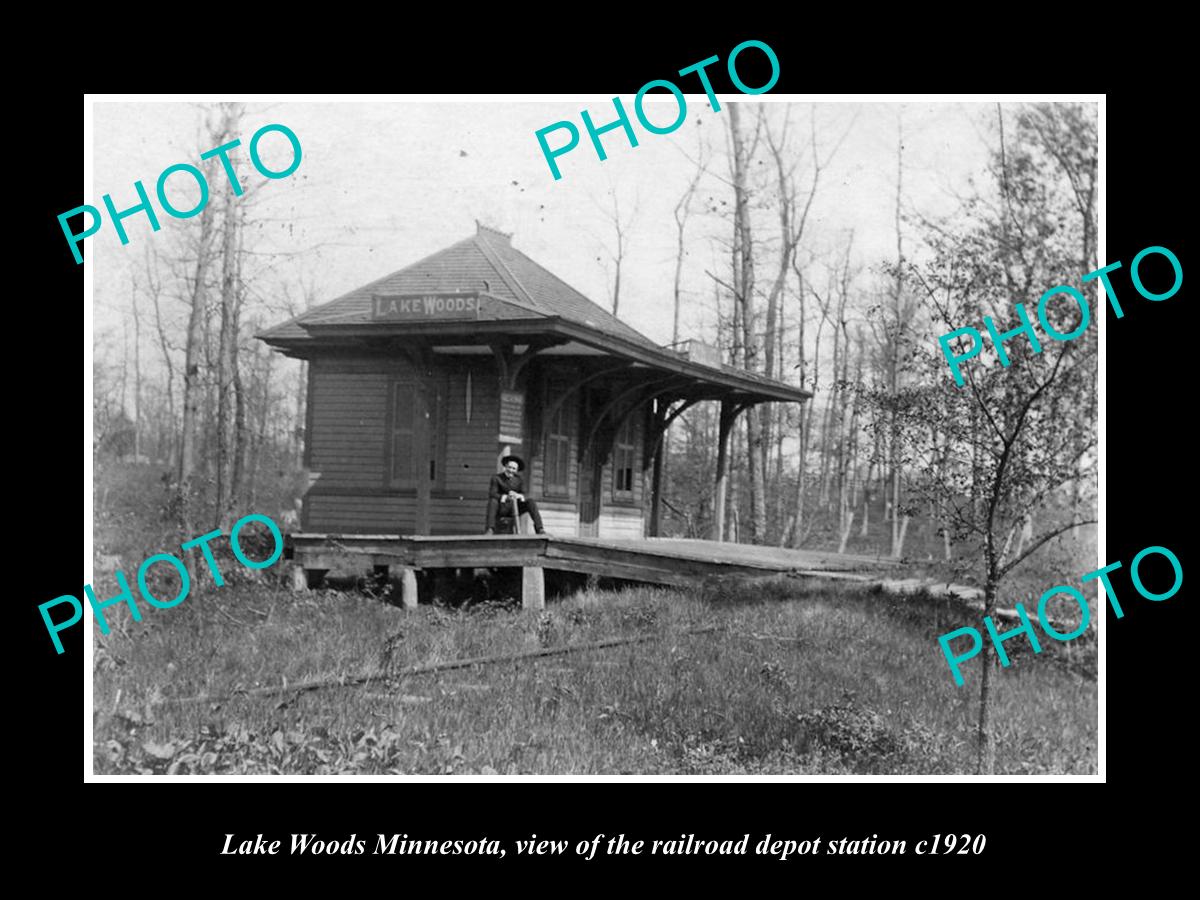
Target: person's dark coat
(498, 490)
(502, 483)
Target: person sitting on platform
(507, 487)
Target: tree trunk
(847, 451)
(241, 445)
(984, 760)
(241, 398)
(786, 534)
(137, 376)
(298, 437)
(618, 257)
(744, 284)
(896, 342)
(226, 398)
(228, 449)
(193, 387)
(1025, 533)
(154, 288)
(778, 495)
(682, 213)
(827, 424)
(899, 548)
(208, 431)
(846, 533)
(617, 276)
(755, 450)
(866, 493)
(804, 419)
(259, 439)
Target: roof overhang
(323, 337)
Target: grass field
(795, 680)
(794, 677)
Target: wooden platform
(667, 561)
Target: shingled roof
(512, 289)
(485, 262)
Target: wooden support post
(656, 491)
(726, 426)
(408, 588)
(533, 588)
(305, 578)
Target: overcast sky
(382, 185)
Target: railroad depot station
(420, 382)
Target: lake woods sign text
(404, 307)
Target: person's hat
(520, 462)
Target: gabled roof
(517, 297)
(485, 262)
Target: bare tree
(154, 288)
(681, 214)
(194, 353)
(616, 253)
(228, 383)
(791, 229)
(294, 306)
(833, 308)
(137, 370)
(898, 340)
(743, 281)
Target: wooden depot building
(419, 383)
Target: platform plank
(670, 561)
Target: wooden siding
(347, 445)
(619, 522)
(346, 441)
(391, 513)
(471, 448)
(360, 513)
(348, 454)
(560, 519)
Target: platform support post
(408, 588)
(719, 493)
(304, 578)
(533, 588)
(656, 491)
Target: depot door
(418, 447)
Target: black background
(1028, 824)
